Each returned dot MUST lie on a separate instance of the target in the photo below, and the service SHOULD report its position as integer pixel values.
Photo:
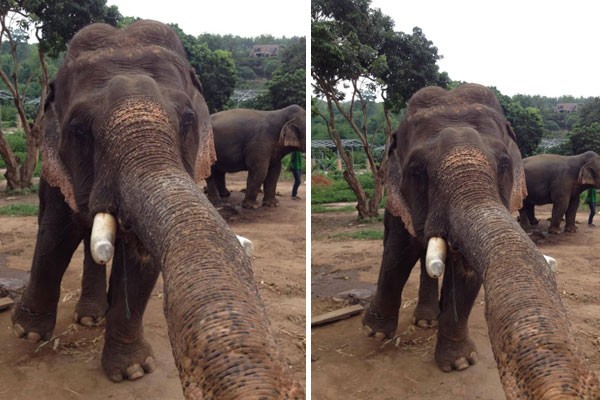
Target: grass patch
(19, 210)
(361, 235)
(319, 208)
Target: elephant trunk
(530, 334)
(220, 336)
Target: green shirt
(590, 196)
(295, 160)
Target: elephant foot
(90, 312)
(378, 326)
(555, 230)
(270, 202)
(30, 325)
(252, 204)
(455, 355)
(129, 361)
(571, 229)
(426, 316)
(225, 194)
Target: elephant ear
(396, 204)
(206, 155)
(290, 134)
(53, 169)
(586, 175)
(519, 188)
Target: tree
(215, 68)
(527, 123)
(357, 54)
(53, 23)
(585, 138)
(589, 112)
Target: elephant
(558, 180)
(454, 174)
(254, 141)
(126, 139)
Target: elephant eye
(187, 119)
(503, 163)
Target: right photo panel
(455, 162)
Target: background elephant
(254, 141)
(454, 174)
(558, 180)
(127, 137)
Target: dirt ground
(68, 367)
(348, 365)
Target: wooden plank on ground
(5, 302)
(336, 315)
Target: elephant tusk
(246, 244)
(435, 257)
(552, 263)
(104, 231)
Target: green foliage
(58, 21)
(367, 234)
(589, 112)
(215, 68)
(246, 73)
(526, 122)
(585, 138)
(339, 191)
(19, 210)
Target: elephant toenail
(149, 364)
(33, 337)
(380, 336)
(461, 364)
(423, 323)
(116, 377)
(473, 358)
(367, 331)
(134, 372)
(18, 331)
(87, 321)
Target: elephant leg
(256, 177)
(380, 318)
(211, 190)
(34, 314)
(454, 348)
(126, 354)
(220, 182)
(270, 185)
(571, 214)
(92, 304)
(530, 212)
(524, 219)
(558, 210)
(428, 305)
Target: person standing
(590, 200)
(296, 167)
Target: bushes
(338, 191)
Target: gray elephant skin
(128, 133)
(254, 141)
(558, 180)
(455, 173)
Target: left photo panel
(153, 200)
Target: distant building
(566, 108)
(265, 50)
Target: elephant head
(293, 132)
(455, 173)
(128, 134)
(589, 174)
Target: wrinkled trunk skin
(531, 337)
(220, 335)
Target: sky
(549, 48)
(239, 18)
